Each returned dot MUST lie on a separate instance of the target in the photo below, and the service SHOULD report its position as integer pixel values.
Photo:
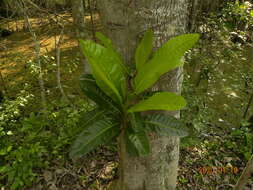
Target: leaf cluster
(121, 96)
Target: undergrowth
(30, 140)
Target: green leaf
(90, 117)
(109, 45)
(251, 13)
(99, 133)
(106, 41)
(165, 125)
(160, 101)
(131, 149)
(166, 58)
(93, 92)
(148, 94)
(144, 50)
(137, 143)
(136, 122)
(107, 69)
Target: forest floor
(210, 160)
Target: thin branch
(58, 62)
(37, 53)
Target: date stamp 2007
(218, 170)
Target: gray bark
(125, 22)
(79, 25)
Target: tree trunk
(79, 25)
(198, 8)
(125, 22)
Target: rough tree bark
(79, 25)
(125, 21)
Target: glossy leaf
(94, 135)
(130, 147)
(90, 117)
(96, 114)
(93, 92)
(165, 125)
(137, 143)
(109, 45)
(136, 122)
(160, 101)
(166, 58)
(106, 41)
(106, 69)
(144, 49)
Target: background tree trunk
(79, 25)
(125, 22)
(198, 8)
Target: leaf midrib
(96, 114)
(106, 79)
(99, 133)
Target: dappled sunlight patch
(18, 52)
(233, 94)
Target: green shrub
(29, 141)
